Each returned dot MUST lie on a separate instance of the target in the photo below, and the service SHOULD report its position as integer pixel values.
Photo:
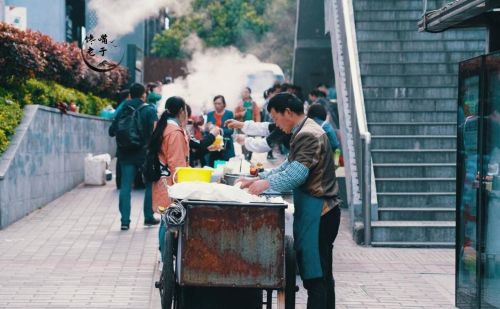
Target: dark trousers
(321, 291)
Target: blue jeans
(128, 173)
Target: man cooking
(310, 172)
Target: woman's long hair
(173, 106)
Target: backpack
(153, 169)
(129, 128)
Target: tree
(261, 27)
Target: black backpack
(129, 128)
(153, 169)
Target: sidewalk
(71, 254)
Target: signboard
(16, 16)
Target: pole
(367, 185)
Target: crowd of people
(159, 144)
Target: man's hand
(246, 182)
(214, 148)
(233, 124)
(240, 139)
(215, 131)
(259, 186)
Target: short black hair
(317, 93)
(317, 110)
(137, 90)
(284, 100)
(220, 97)
(188, 110)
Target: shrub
(33, 91)
(10, 116)
(30, 54)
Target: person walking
(218, 117)
(171, 145)
(310, 172)
(132, 127)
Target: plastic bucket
(190, 174)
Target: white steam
(213, 72)
(119, 17)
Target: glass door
(490, 196)
(468, 183)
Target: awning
(458, 13)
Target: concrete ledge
(45, 158)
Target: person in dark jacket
(131, 160)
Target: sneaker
(125, 227)
(152, 221)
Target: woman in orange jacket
(171, 143)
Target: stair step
(416, 199)
(411, 116)
(415, 231)
(415, 184)
(415, 57)
(413, 164)
(413, 244)
(413, 141)
(399, 5)
(407, 69)
(410, 105)
(394, 35)
(445, 80)
(406, 170)
(417, 213)
(413, 155)
(414, 46)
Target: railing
(339, 21)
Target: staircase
(410, 89)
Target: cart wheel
(290, 273)
(179, 302)
(167, 280)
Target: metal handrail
(359, 102)
(348, 74)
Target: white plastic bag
(211, 192)
(95, 170)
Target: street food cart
(237, 248)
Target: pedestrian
(171, 144)
(247, 110)
(317, 96)
(317, 112)
(198, 143)
(133, 126)
(310, 172)
(154, 93)
(218, 117)
(123, 96)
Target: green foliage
(47, 93)
(30, 54)
(10, 116)
(168, 42)
(217, 23)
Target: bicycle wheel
(167, 281)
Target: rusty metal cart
(230, 245)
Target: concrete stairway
(410, 88)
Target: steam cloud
(119, 17)
(213, 72)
